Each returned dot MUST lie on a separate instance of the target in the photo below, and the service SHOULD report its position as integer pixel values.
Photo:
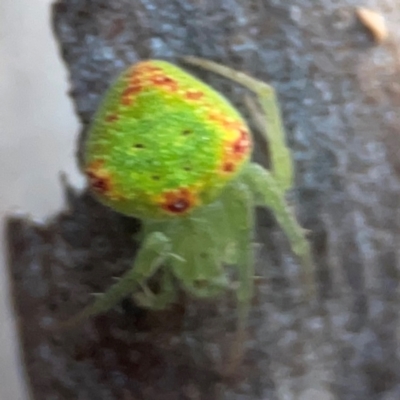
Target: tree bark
(340, 98)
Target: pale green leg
(237, 228)
(157, 301)
(242, 212)
(154, 251)
(282, 165)
(263, 183)
(273, 185)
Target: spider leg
(160, 300)
(242, 213)
(272, 126)
(263, 183)
(154, 251)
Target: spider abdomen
(163, 143)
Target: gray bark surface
(340, 97)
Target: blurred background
(38, 134)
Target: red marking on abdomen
(228, 167)
(99, 178)
(235, 152)
(129, 92)
(242, 144)
(141, 69)
(145, 67)
(164, 81)
(112, 117)
(194, 95)
(178, 201)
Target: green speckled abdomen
(163, 143)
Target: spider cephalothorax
(167, 148)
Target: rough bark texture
(340, 98)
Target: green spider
(168, 149)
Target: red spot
(135, 81)
(178, 206)
(194, 95)
(235, 151)
(228, 167)
(129, 92)
(142, 68)
(99, 184)
(164, 81)
(99, 178)
(178, 201)
(112, 117)
(241, 145)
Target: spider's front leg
(272, 186)
(154, 251)
(165, 295)
(241, 214)
(271, 126)
(263, 184)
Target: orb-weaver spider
(168, 149)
